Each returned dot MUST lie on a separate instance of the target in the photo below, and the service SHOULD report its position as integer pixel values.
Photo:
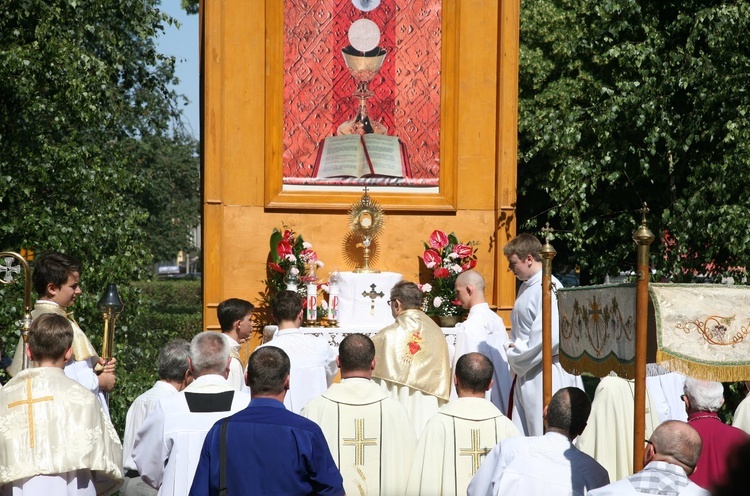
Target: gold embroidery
(475, 452)
(30, 402)
(360, 441)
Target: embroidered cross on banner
(9, 269)
(29, 401)
(475, 452)
(372, 294)
(360, 441)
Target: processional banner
(699, 330)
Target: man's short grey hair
(173, 360)
(209, 353)
(704, 396)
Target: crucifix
(29, 401)
(9, 269)
(372, 294)
(360, 441)
(475, 452)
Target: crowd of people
(407, 417)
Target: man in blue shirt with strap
(268, 449)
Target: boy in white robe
(368, 433)
(459, 436)
(57, 439)
(236, 321)
(524, 349)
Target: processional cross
(30, 402)
(475, 452)
(360, 441)
(372, 294)
(9, 269)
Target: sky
(182, 43)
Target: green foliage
(190, 6)
(168, 310)
(623, 102)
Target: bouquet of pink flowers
(446, 257)
(290, 255)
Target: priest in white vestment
(483, 331)
(368, 432)
(609, 434)
(168, 444)
(173, 366)
(459, 436)
(524, 349)
(56, 279)
(236, 320)
(313, 360)
(547, 465)
(670, 457)
(55, 437)
(412, 357)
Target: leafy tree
(190, 6)
(90, 145)
(627, 101)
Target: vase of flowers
(446, 258)
(291, 258)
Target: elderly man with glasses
(412, 357)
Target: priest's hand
(107, 376)
(108, 366)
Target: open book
(352, 155)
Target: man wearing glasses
(412, 357)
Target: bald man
(670, 457)
(483, 332)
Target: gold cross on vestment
(475, 452)
(360, 441)
(30, 402)
(372, 294)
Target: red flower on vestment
(414, 346)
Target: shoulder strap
(223, 458)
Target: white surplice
(525, 358)
(236, 371)
(453, 444)
(55, 437)
(742, 415)
(484, 332)
(608, 436)
(368, 433)
(313, 366)
(137, 413)
(546, 465)
(665, 390)
(168, 444)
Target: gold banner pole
(548, 253)
(110, 305)
(643, 238)
(9, 269)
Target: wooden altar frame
(275, 197)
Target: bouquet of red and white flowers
(446, 257)
(290, 255)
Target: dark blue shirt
(270, 451)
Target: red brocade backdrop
(318, 87)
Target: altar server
(524, 349)
(236, 320)
(483, 331)
(167, 446)
(313, 360)
(56, 280)
(547, 465)
(459, 436)
(56, 439)
(368, 433)
(412, 357)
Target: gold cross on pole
(475, 452)
(30, 402)
(360, 441)
(372, 294)
(547, 230)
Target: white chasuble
(453, 445)
(369, 435)
(49, 424)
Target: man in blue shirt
(269, 450)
